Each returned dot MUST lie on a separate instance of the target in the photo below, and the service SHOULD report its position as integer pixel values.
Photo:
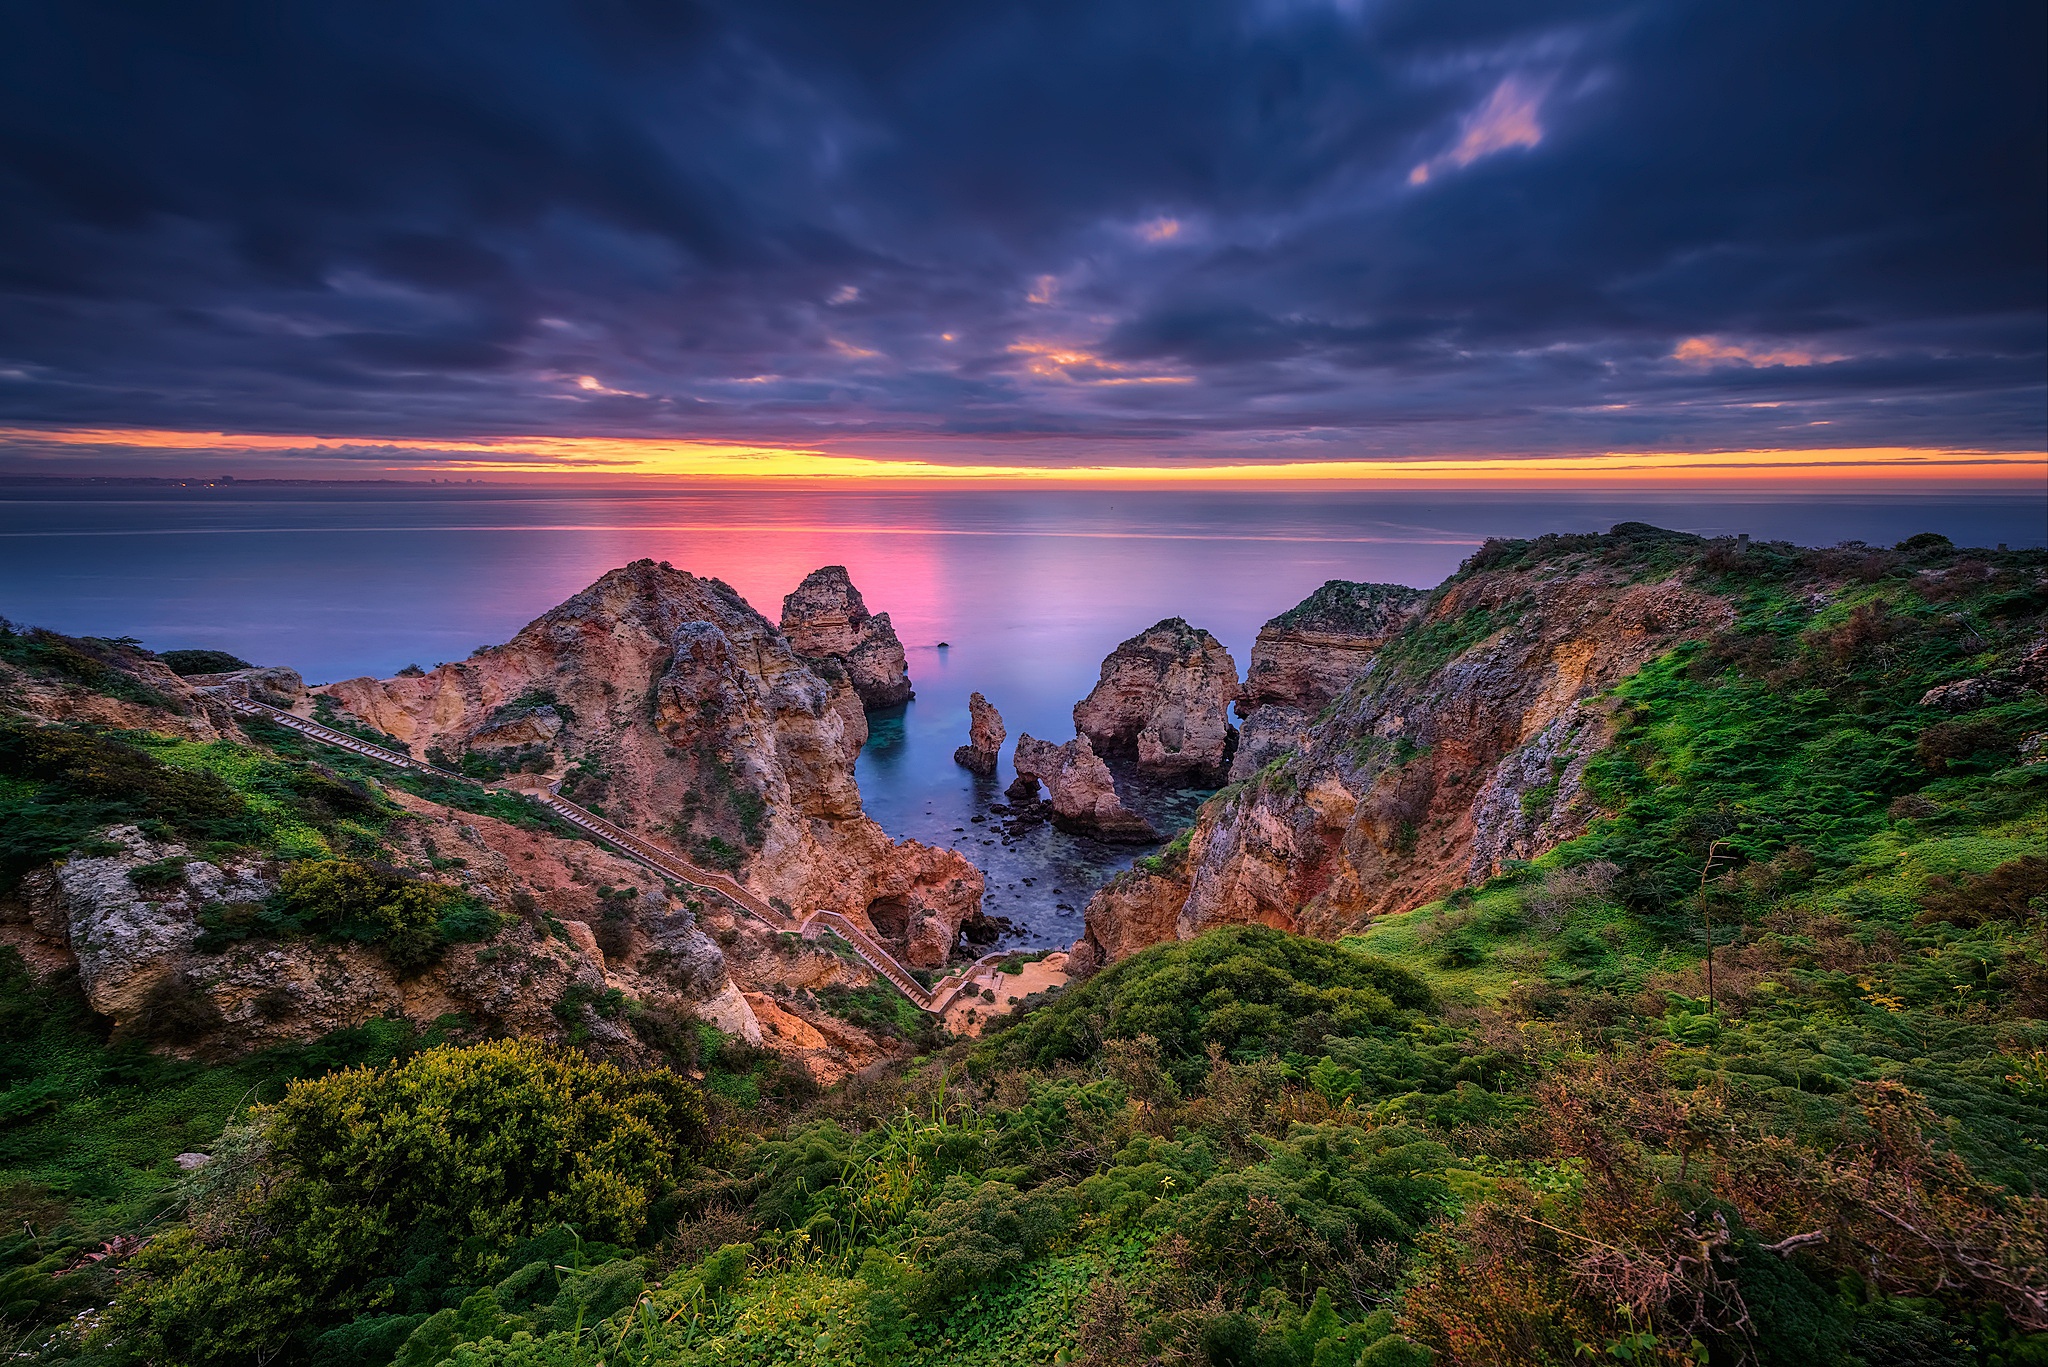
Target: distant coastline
(205, 481)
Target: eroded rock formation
(1306, 657)
(826, 619)
(144, 963)
(985, 736)
(687, 715)
(1164, 697)
(1460, 745)
(1082, 791)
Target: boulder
(985, 737)
(826, 618)
(531, 726)
(1164, 698)
(1967, 695)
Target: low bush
(188, 662)
(1247, 990)
(344, 899)
(409, 1189)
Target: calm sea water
(1028, 589)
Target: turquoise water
(1028, 589)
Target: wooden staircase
(647, 854)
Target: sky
(1284, 239)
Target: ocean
(1026, 589)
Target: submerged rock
(1164, 697)
(1084, 796)
(985, 736)
(826, 618)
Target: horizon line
(636, 461)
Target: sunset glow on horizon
(637, 459)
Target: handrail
(951, 986)
(327, 735)
(662, 860)
(876, 957)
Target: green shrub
(975, 1233)
(86, 662)
(380, 1187)
(1248, 990)
(187, 662)
(343, 899)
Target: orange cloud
(590, 384)
(1707, 351)
(654, 457)
(1159, 229)
(1052, 361)
(1507, 119)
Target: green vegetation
(186, 662)
(326, 711)
(1172, 857)
(413, 1190)
(722, 820)
(879, 1009)
(104, 666)
(341, 899)
(510, 808)
(1421, 651)
(89, 1130)
(1532, 1123)
(59, 786)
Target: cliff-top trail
(656, 698)
(1628, 901)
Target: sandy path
(969, 1013)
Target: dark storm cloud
(1361, 227)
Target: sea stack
(826, 619)
(1164, 698)
(1084, 796)
(985, 736)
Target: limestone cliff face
(1459, 745)
(179, 708)
(1082, 790)
(826, 618)
(1307, 656)
(1164, 696)
(985, 736)
(1133, 911)
(142, 962)
(679, 710)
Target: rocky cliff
(1164, 697)
(826, 619)
(1307, 656)
(137, 939)
(672, 706)
(182, 943)
(1458, 745)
